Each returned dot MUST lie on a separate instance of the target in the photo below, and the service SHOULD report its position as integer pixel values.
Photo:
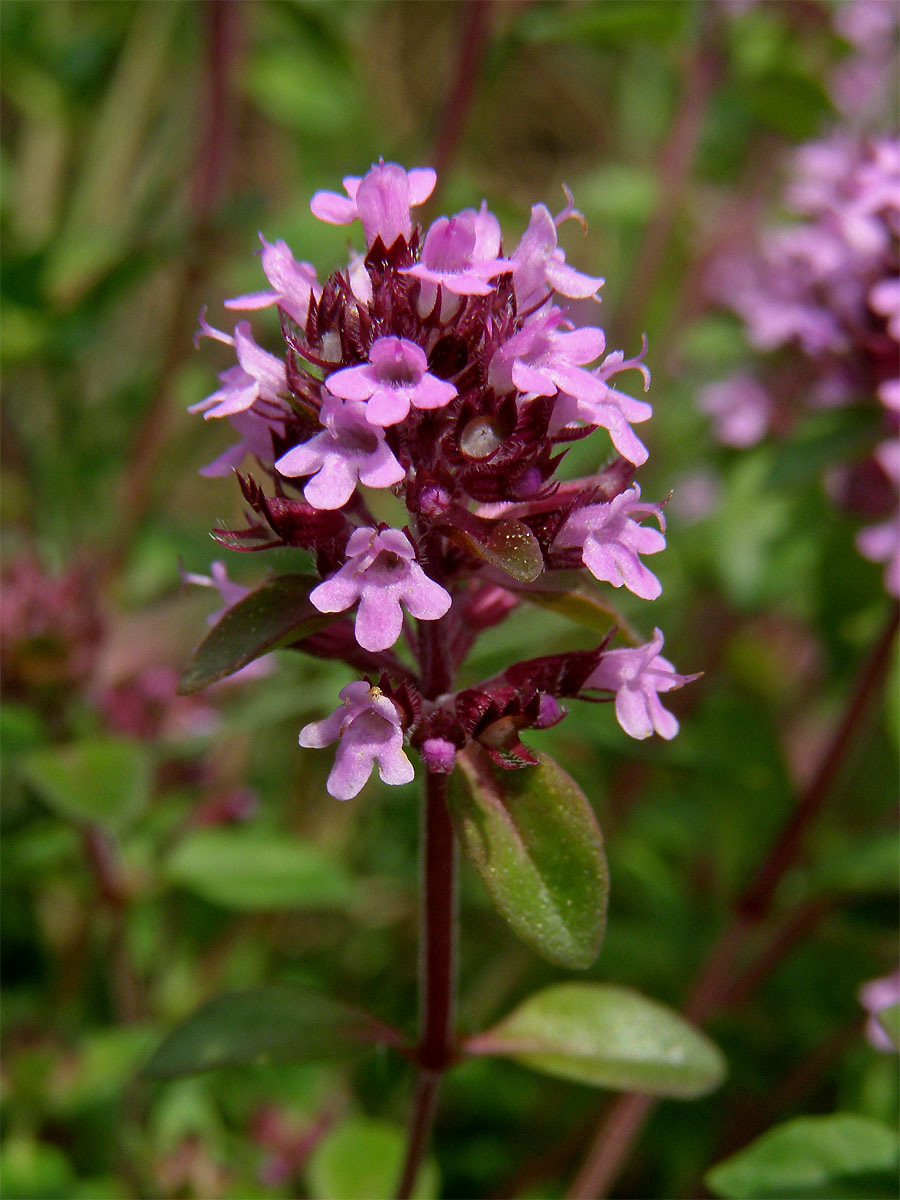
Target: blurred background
(159, 849)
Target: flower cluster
(824, 292)
(450, 373)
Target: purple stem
(473, 42)
(436, 1048)
(223, 19)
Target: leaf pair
(590, 1033)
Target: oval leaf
(509, 545)
(244, 870)
(835, 1157)
(262, 1025)
(609, 1037)
(362, 1159)
(274, 615)
(104, 781)
(532, 836)
(578, 596)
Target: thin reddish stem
(472, 45)
(624, 1121)
(436, 1047)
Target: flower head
(434, 366)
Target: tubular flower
(394, 378)
(610, 541)
(368, 732)
(292, 283)
(380, 572)
(637, 677)
(438, 367)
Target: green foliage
(580, 599)
(251, 872)
(837, 1157)
(534, 840)
(103, 781)
(264, 1025)
(607, 1037)
(274, 615)
(361, 1159)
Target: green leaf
(103, 781)
(609, 1037)
(31, 1168)
(889, 1020)
(574, 594)
(866, 865)
(241, 869)
(362, 1159)
(509, 545)
(835, 1157)
(263, 1025)
(532, 836)
(274, 615)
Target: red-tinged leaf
(532, 836)
(274, 615)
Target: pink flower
(614, 411)
(395, 377)
(461, 255)
(347, 450)
(255, 429)
(636, 676)
(381, 199)
(740, 409)
(540, 266)
(381, 572)
(368, 732)
(875, 996)
(543, 359)
(610, 541)
(259, 375)
(230, 591)
(881, 543)
(292, 283)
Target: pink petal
(333, 485)
(631, 713)
(333, 208)
(421, 184)
(336, 594)
(353, 383)
(425, 599)
(379, 619)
